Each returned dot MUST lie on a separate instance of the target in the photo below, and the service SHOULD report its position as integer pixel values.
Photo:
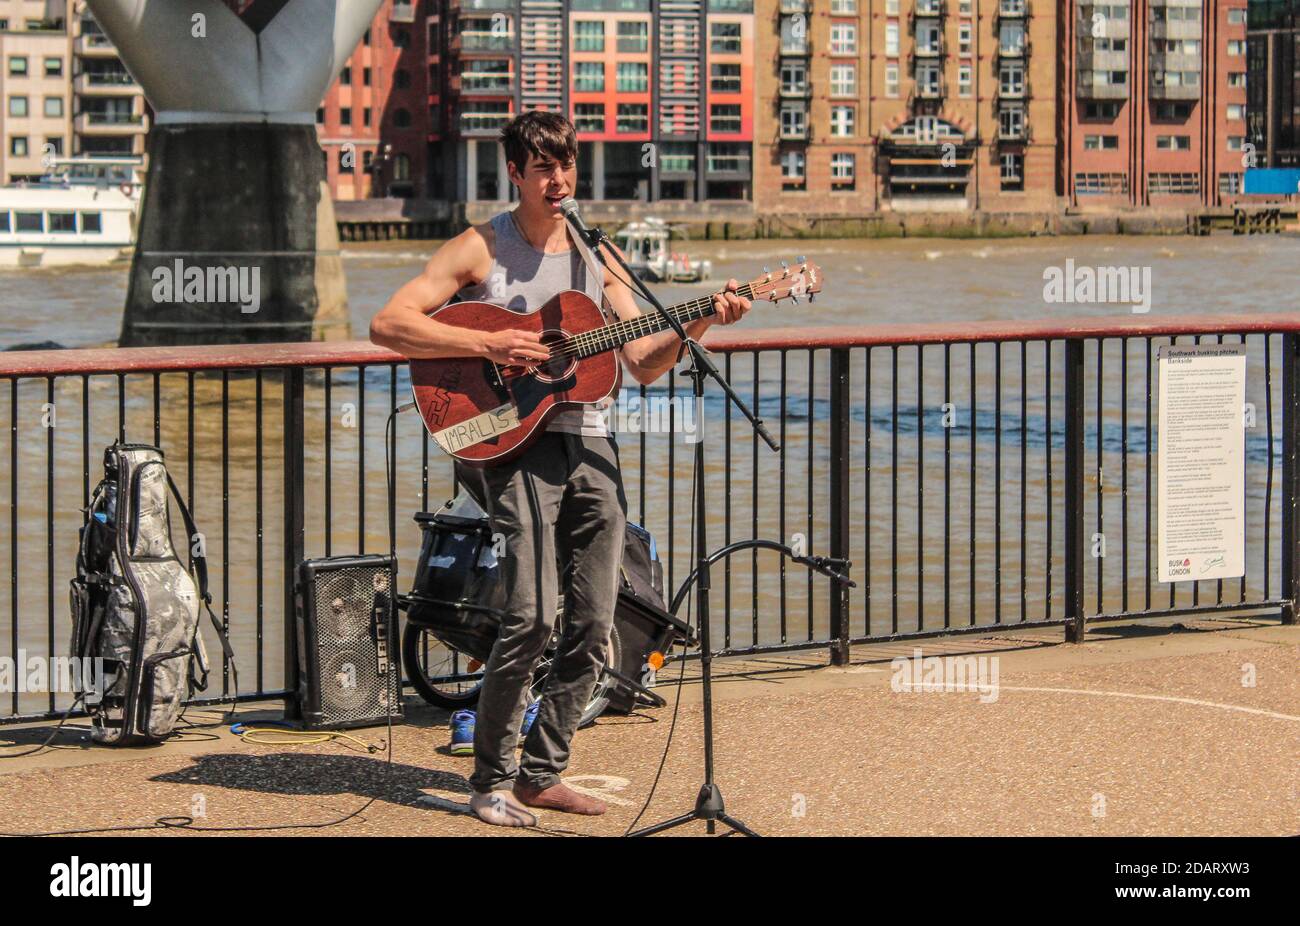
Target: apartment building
(660, 91)
(1153, 103)
(1273, 83)
(903, 105)
(63, 89)
(373, 121)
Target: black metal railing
(973, 476)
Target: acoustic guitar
(485, 413)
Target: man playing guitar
(564, 493)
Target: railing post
(1073, 490)
(1290, 476)
(294, 524)
(839, 496)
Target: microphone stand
(709, 805)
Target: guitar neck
(616, 335)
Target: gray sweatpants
(562, 497)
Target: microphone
(569, 207)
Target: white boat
(82, 212)
(646, 245)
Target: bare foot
(500, 808)
(559, 797)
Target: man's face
(545, 182)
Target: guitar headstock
(803, 279)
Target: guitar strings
(610, 336)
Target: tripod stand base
(709, 808)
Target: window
(634, 37)
(345, 76)
(724, 117)
(589, 117)
(964, 7)
(588, 35)
(1174, 142)
(964, 38)
(792, 165)
(724, 38)
(1236, 46)
(1098, 184)
(633, 77)
(844, 80)
(1013, 172)
(724, 78)
(402, 167)
(365, 117)
(1236, 111)
(1011, 79)
(1183, 183)
(794, 121)
(1237, 79)
(929, 40)
(1229, 184)
(1011, 122)
(1011, 38)
(794, 76)
(4, 221)
(891, 81)
(633, 117)
(17, 65)
(929, 81)
(29, 222)
(843, 171)
(589, 77)
(1101, 142)
(964, 80)
(842, 121)
(1172, 112)
(891, 7)
(63, 223)
(401, 38)
(345, 115)
(1102, 111)
(55, 143)
(844, 7)
(794, 36)
(844, 39)
(53, 67)
(1236, 142)
(891, 39)
(92, 222)
(365, 77)
(18, 106)
(401, 78)
(54, 106)
(347, 159)
(320, 116)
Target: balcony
(1011, 9)
(794, 133)
(105, 84)
(478, 5)
(403, 12)
(796, 91)
(474, 124)
(930, 90)
(925, 12)
(1021, 93)
(1112, 27)
(1014, 50)
(791, 7)
(1015, 134)
(733, 164)
(927, 52)
(1090, 88)
(793, 48)
(1102, 60)
(471, 83)
(94, 45)
(472, 42)
(1165, 62)
(1163, 91)
(96, 123)
(1180, 29)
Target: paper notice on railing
(1201, 464)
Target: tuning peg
(767, 272)
(786, 268)
(812, 297)
(799, 260)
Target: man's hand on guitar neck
(730, 307)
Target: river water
(933, 544)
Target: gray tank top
(521, 279)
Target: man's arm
(650, 357)
(404, 326)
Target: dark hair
(540, 133)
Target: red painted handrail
(99, 361)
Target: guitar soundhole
(561, 367)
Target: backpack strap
(201, 573)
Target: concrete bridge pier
(237, 240)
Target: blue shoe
(462, 733)
(529, 716)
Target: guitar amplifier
(348, 669)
